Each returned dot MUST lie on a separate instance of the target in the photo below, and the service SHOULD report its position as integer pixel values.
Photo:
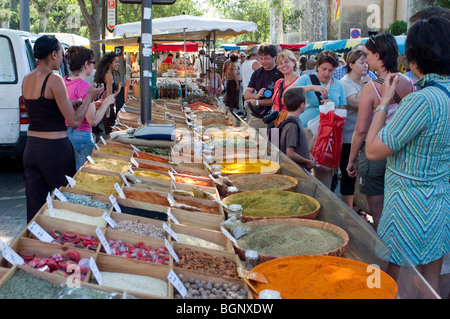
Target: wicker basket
(339, 251)
(263, 181)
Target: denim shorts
(83, 144)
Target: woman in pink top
(81, 64)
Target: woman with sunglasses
(81, 64)
(49, 155)
(382, 58)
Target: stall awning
(313, 47)
(293, 46)
(177, 46)
(231, 47)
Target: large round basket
(274, 204)
(338, 251)
(323, 277)
(251, 182)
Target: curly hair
(104, 65)
(77, 56)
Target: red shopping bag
(328, 145)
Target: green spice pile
(155, 150)
(23, 285)
(85, 200)
(290, 240)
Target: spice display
(250, 167)
(253, 182)
(202, 289)
(150, 174)
(139, 251)
(114, 151)
(273, 203)
(139, 228)
(137, 283)
(154, 167)
(322, 277)
(23, 285)
(85, 200)
(87, 293)
(152, 157)
(206, 263)
(109, 164)
(195, 241)
(155, 150)
(289, 240)
(77, 217)
(97, 183)
(194, 181)
(72, 239)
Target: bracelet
(257, 102)
(381, 107)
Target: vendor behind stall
(169, 59)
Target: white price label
(230, 237)
(103, 240)
(109, 220)
(60, 195)
(95, 271)
(40, 233)
(71, 181)
(134, 162)
(177, 283)
(97, 147)
(170, 231)
(130, 169)
(171, 251)
(119, 191)
(136, 150)
(50, 205)
(113, 201)
(172, 217)
(10, 255)
(91, 160)
(103, 140)
(125, 180)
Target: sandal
(364, 215)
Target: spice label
(10, 255)
(50, 205)
(177, 283)
(230, 237)
(60, 195)
(97, 147)
(103, 240)
(95, 271)
(71, 181)
(221, 203)
(108, 219)
(120, 191)
(208, 167)
(172, 217)
(136, 150)
(171, 251)
(130, 169)
(171, 176)
(113, 201)
(125, 180)
(103, 140)
(40, 233)
(90, 159)
(134, 162)
(170, 231)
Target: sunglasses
(93, 62)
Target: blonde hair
(287, 54)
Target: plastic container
(235, 210)
(251, 259)
(216, 171)
(269, 294)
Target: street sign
(153, 2)
(355, 33)
(111, 12)
(119, 51)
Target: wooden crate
(95, 196)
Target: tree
(398, 27)
(442, 3)
(43, 8)
(93, 17)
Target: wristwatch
(257, 102)
(381, 107)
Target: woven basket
(339, 251)
(263, 181)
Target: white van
(16, 60)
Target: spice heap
(155, 150)
(72, 239)
(150, 174)
(195, 241)
(23, 285)
(97, 183)
(139, 251)
(249, 167)
(289, 240)
(77, 217)
(114, 151)
(193, 181)
(109, 164)
(85, 200)
(137, 283)
(62, 265)
(202, 289)
(253, 182)
(139, 228)
(206, 263)
(152, 157)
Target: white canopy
(196, 28)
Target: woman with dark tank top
(49, 155)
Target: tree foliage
(398, 27)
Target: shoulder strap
(280, 93)
(315, 81)
(397, 97)
(44, 84)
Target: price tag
(103, 240)
(113, 201)
(208, 167)
(177, 283)
(95, 271)
(119, 191)
(134, 162)
(50, 205)
(221, 203)
(172, 217)
(102, 139)
(170, 231)
(90, 160)
(10, 255)
(136, 150)
(97, 147)
(171, 176)
(109, 220)
(60, 195)
(171, 251)
(230, 237)
(125, 180)
(130, 169)
(40, 233)
(71, 181)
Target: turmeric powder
(323, 277)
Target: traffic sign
(111, 13)
(355, 33)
